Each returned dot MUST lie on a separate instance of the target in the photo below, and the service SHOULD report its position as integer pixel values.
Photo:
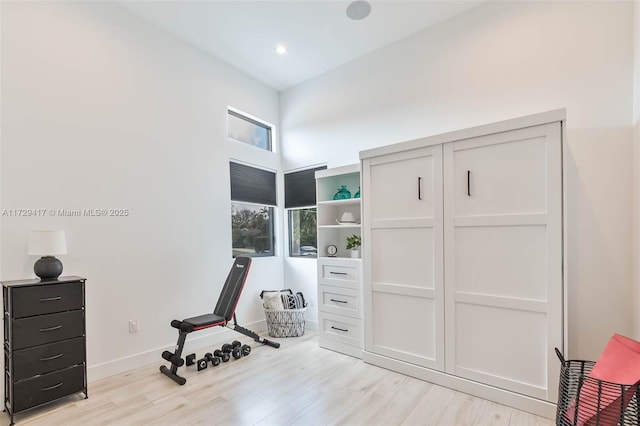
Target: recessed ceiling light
(358, 10)
(281, 50)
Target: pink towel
(619, 363)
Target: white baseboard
(310, 325)
(501, 396)
(194, 343)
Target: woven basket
(583, 400)
(285, 322)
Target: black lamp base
(47, 267)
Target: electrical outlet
(133, 326)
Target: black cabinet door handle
(57, 327)
(339, 329)
(50, 299)
(52, 387)
(469, 183)
(419, 188)
(337, 273)
(49, 358)
(339, 301)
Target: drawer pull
(339, 301)
(337, 273)
(49, 358)
(339, 329)
(50, 299)
(51, 387)
(57, 327)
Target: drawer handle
(49, 358)
(57, 327)
(339, 301)
(340, 329)
(338, 273)
(51, 299)
(51, 387)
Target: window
(253, 201)
(244, 129)
(303, 240)
(300, 199)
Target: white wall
(636, 167)
(101, 109)
(498, 61)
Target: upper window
(300, 200)
(244, 129)
(253, 201)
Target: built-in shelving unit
(339, 276)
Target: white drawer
(339, 272)
(340, 301)
(341, 329)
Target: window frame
(292, 205)
(256, 203)
(290, 232)
(270, 128)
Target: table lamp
(47, 244)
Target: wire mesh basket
(586, 401)
(285, 322)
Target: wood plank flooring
(298, 384)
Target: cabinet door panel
(507, 261)
(402, 213)
(495, 343)
(503, 259)
(403, 256)
(402, 188)
(413, 341)
(506, 177)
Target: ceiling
(317, 33)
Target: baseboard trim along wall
(194, 343)
(501, 396)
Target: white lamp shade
(47, 243)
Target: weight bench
(222, 316)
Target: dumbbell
(173, 358)
(202, 363)
(233, 349)
(215, 361)
(222, 355)
(246, 350)
(191, 359)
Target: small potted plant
(353, 243)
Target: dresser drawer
(45, 299)
(340, 301)
(48, 387)
(33, 331)
(341, 329)
(339, 273)
(47, 358)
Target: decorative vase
(342, 194)
(355, 253)
(48, 267)
(357, 193)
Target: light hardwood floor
(298, 384)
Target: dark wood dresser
(44, 341)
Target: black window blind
(252, 185)
(300, 188)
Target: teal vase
(342, 194)
(357, 193)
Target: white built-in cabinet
(463, 259)
(340, 307)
